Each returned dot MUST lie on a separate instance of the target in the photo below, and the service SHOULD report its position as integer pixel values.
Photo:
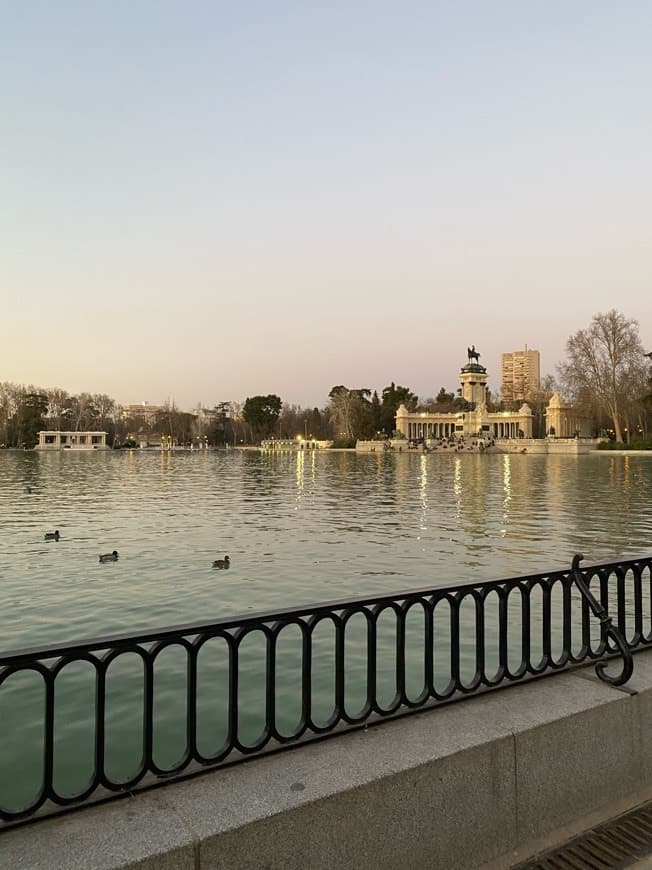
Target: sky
(205, 201)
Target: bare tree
(295, 420)
(606, 367)
(538, 400)
(349, 410)
(105, 408)
(175, 424)
(59, 406)
(10, 398)
(83, 413)
(240, 429)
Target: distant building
(218, 413)
(142, 411)
(473, 421)
(52, 439)
(520, 375)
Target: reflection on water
(507, 487)
(298, 527)
(423, 491)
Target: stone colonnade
(424, 429)
(506, 429)
(58, 440)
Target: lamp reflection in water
(507, 493)
(423, 492)
(301, 458)
(457, 486)
(313, 470)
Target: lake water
(299, 528)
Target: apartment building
(520, 374)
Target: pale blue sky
(206, 200)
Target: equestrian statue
(473, 354)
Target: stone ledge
(141, 832)
(465, 785)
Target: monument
(473, 420)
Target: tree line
(606, 375)
(351, 413)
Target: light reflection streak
(301, 458)
(457, 486)
(423, 491)
(507, 490)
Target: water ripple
(298, 529)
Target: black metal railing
(85, 721)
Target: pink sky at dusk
(206, 201)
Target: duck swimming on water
(109, 557)
(52, 536)
(222, 563)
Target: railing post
(611, 630)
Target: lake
(299, 528)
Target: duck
(52, 536)
(109, 557)
(222, 563)
(27, 489)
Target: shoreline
(254, 447)
(624, 452)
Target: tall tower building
(520, 374)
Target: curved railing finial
(611, 630)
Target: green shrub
(343, 444)
(640, 444)
(636, 444)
